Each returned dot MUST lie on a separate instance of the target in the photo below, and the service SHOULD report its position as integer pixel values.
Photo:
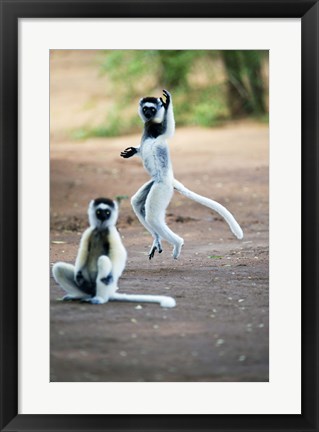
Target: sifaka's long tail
(229, 218)
(164, 301)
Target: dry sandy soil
(219, 328)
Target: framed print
(238, 352)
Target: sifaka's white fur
(151, 200)
(94, 277)
(214, 205)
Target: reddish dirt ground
(218, 330)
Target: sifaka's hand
(168, 99)
(79, 278)
(128, 152)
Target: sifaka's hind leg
(63, 273)
(156, 203)
(106, 285)
(138, 204)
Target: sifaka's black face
(149, 107)
(103, 214)
(149, 112)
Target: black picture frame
(11, 11)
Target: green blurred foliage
(246, 90)
(208, 87)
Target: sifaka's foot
(152, 252)
(177, 249)
(95, 300)
(155, 247)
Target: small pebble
(241, 358)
